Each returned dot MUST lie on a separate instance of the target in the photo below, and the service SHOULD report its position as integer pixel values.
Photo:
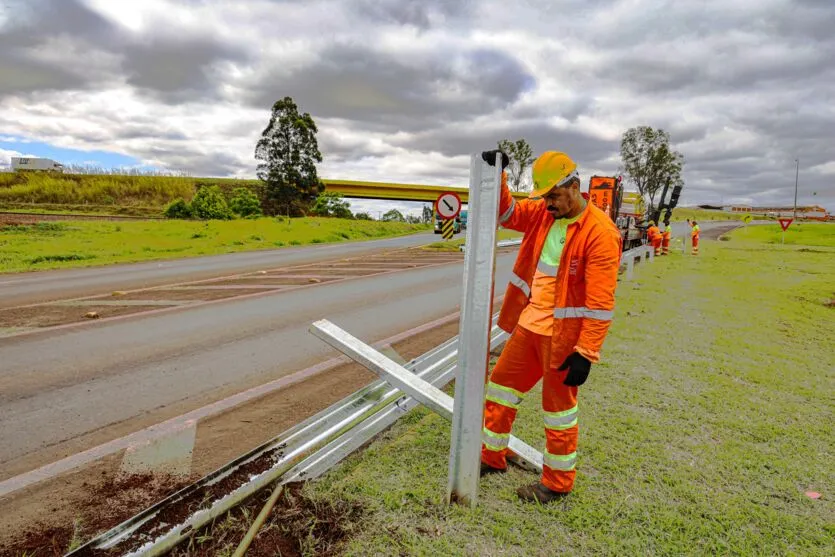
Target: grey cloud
(176, 70)
(464, 140)
(356, 83)
(172, 66)
(419, 13)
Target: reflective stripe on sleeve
(545, 269)
(507, 214)
(495, 441)
(560, 462)
(600, 314)
(504, 395)
(517, 281)
(558, 421)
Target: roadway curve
(29, 288)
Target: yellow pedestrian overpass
(397, 192)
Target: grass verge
(701, 432)
(51, 245)
(798, 234)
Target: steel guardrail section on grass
(333, 453)
(320, 429)
(430, 396)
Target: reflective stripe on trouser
(523, 362)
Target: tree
(178, 209)
(363, 216)
(209, 203)
(331, 204)
(289, 152)
(413, 219)
(649, 162)
(393, 216)
(245, 203)
(427, 214)
(521, 157)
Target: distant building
(813, 212)
(37, 164)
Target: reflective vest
(586, 277)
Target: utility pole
(796, 174)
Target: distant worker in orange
(665, 239)
(654, 237)
(694, 236)
(558, 307)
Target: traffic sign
(448, 205)
(448, 228)
(785, 223)
(747, 218)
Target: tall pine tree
(288, 152)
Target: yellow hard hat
(551, 170)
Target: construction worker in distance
(694, 236)
(665, 239)
(654, 237)
(558, 308)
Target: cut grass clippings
(700, 432)
(84, 243)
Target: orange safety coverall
(654, 237)
(580, 291)
(665, 241)
(694, 236)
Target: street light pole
(796, 174)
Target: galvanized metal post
(474, 332)
(630, 266)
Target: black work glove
(490, 157)
(578, 370)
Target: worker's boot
(539, 493)
(486, 470)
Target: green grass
(709, 418)
(83, 209)
(458, 240)
(798, 234)
(86, 243)
(119, 191)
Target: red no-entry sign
(785, 223)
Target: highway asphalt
(58, 385)
(28, 288)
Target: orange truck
(626, 209)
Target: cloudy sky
(405, 90)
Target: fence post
(474, 332)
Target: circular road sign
(448, 205)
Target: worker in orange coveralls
(654, 237)
(694, 236)
(558, 307)
(665, 239)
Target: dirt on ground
(296, 526)
(50, 315)
(195, 293)
(51, 514)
